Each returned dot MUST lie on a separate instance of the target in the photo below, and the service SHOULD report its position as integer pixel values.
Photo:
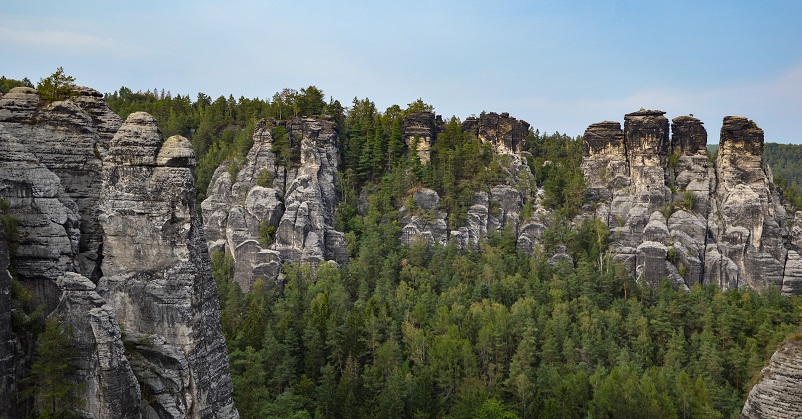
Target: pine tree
(53, 391)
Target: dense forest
(431, 331)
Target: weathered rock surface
(778, 392)
(725, 222)
(110, 389)
(420, 131)
(65, 139)
(161, 286)
(505, 133)
(8, 380)
(499, 209)
(47, 219)
(294, 202)
(148, 214)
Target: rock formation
(778, 392)
(8, 342)
(110, 386)
(506, 133)
(495, 210)
(127, 221)
(269, 211)
(420, 131)
(169, 306)
(673, 214)
(65, 140)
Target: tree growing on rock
(58, 86)
(53, 391)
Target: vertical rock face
(778, 392)
(64, 138)
(169, 305)
(506, 133)
(48, 219)
(294, 203)
(751, 226)
(674, 215)
(8, 381)
(157, 265)
(110, 387)
(420, 130)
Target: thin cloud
(54, 39)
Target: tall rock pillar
(157, 273)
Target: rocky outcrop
(749, 223)
(505, 133)
(65, 139)
(269, 211)
(501, 208)
(420, 131)
(108, 385)
(48, 220)
(148, 214)
(673, 214)
(156, 282)
(778, 392)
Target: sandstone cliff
(288, 216)
(778, 392)
(169, 305)
(85, 219)
(494, 210)
(674, 214)
(8, 342)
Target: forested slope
(437, 331)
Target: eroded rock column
(157, 273)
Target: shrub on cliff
(58, 86)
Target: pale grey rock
(19, 105)
(530, 234)
(792, 274)
(298, 201)
(110, 388)
(505, 133)
(157, 271)
(778, 392)
(796, 232)
(63, 138)
(47, 218)
(729, 227)
(105, 121)
(426, 199)
(559, 256)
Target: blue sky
(558, 64)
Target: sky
(558, 64)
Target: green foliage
(7, 84)
(10, 227)
(57, 86)
(556, 161)
(667, 210)
(267, 234)
(55, 394)
(437, 331)
(265, 179)
(688, 200)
